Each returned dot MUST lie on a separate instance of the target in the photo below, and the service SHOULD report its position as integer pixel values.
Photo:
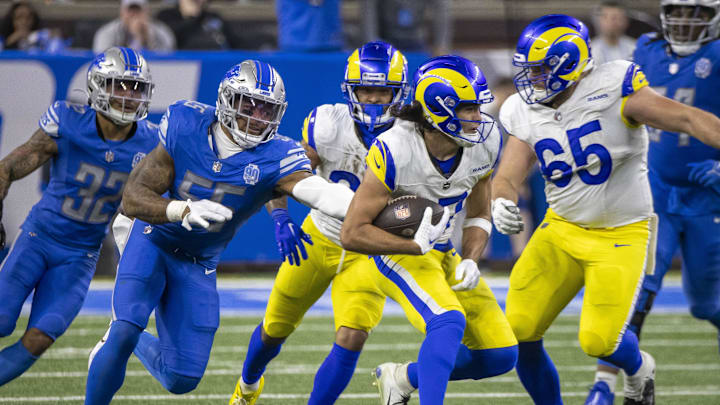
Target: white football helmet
(688, 24)
(119, 85)
(251, 102)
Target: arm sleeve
(332, 199)
(380, 161)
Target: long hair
(412, 112)
(7, 23)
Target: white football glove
(121, 229)
(204, 211)
(506, 216)
(427, 233)
(467, 271)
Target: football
(403, 215)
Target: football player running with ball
(442, 148)
(583, 124)
(92, 151)
(681, 64)
(216, 166)
(336, 139)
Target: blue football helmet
(119, 85)
(376, 64)
(552, 52)
(253, 92)
(689, 24)
(442, 86)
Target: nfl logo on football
(251, 174)
(402, 212)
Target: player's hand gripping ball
(403, 215)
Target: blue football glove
(289, 237)
(706, 172)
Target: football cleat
(98, 346)
(600, 394)
(246, 398)
(392, 392)
(640, 388)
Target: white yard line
(681, 392)
(233, 368)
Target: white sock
(245, 387)
(608, 378)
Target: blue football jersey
(692, 80)
(87, 175)
(243, 182)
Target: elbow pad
(332, 199)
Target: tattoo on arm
(25, 159)
(153, 176)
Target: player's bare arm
(359, 234)
(25, 159)
(311, 154)
(517, 160)
(645, 106)
(474, 237)
(142, 197)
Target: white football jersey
(330, 130)
(593, 160)
(401, 161)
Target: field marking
(80, 352)
(684, 392)
(669, 329)
(226, 368)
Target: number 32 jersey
(330, 130)
(593, 159)
(87, 176)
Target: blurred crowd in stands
(302, 25)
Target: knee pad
(450, 319)
(705, 311)
(523, 328)
(180, 384)
(7, 325)
(52, 325)
(278, 330)
(594, 345)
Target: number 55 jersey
(593, 159)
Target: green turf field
(685, 349)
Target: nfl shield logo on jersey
(703, 67)
(402, 211)
(217, 166)
(109, 156)
(137, 158)
(251, 174)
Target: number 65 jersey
(593, 159)
(87, 176)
